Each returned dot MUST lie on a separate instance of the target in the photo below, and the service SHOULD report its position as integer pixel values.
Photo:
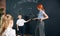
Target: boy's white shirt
(20, 22)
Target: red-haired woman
(41, 16)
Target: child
(20, 24)
(7, 24)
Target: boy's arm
(17, 23)
(17, 26)
(34, 18)
(27, 20)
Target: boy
(20, 24)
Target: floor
(26, 35)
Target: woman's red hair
(40, 6)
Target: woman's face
(38, 8)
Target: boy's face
(19, 16)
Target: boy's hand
(17, 28)
(34, 19)
(29, 19)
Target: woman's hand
(42, 19)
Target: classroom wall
(28, 10)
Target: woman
(41, 16)
(7, 24)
